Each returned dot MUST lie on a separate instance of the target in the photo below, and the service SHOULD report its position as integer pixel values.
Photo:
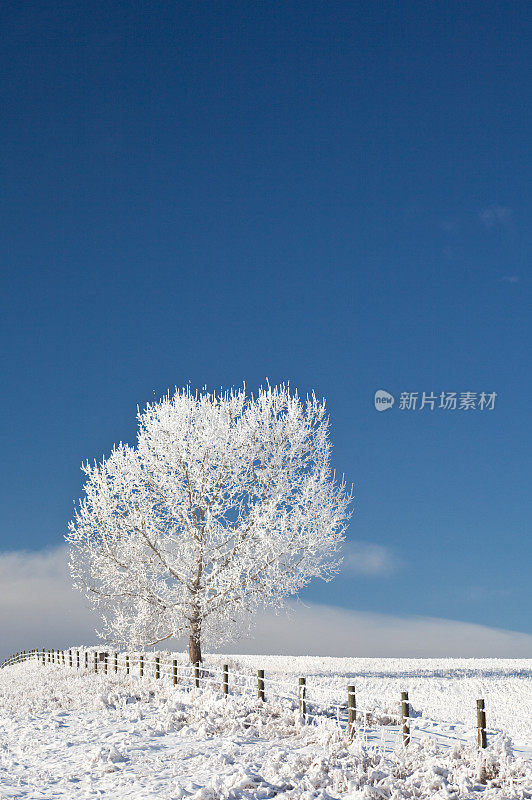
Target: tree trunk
(194, 643)
(194, 648)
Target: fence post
(260, 681)
(197, 674)
(481, 725)
(77, 659)
(105, 663)
(127, 665)
(174, 670)
(116, 662)
(95, 661)
(86, 659)
(351, 711)
(303, 696)
(141, 666)
(405, 713)
(225, 681)
(70, 657)
(157, 667)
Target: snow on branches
(226, 503)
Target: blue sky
(334, 194)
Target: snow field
(65, 734)
(443, 690)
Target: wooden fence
(104, 662)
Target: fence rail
(351, 717)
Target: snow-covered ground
(444, 690)
(70, 734)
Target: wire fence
(373, 728)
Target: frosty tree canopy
(226, 503)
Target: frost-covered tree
(226, 503)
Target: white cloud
(510, 278)
(39, 608)
(495, 215)
(313, 629)
(365, 558)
